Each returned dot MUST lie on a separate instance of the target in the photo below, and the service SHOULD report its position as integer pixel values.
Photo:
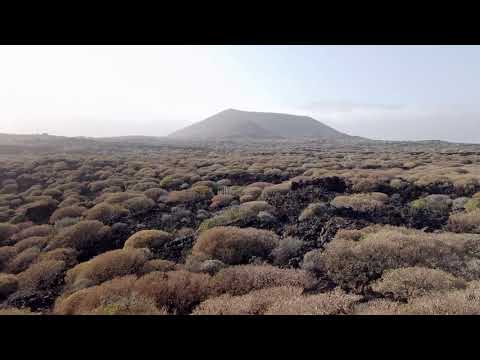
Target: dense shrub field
(257, 229)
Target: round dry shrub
(334, 302)
(151, 239)
(133, 304)
(189, 196)
(139, 205)
(354, 264)
(282, 188)
(220, 201)
(10, 311)
(456, 302)
(143, 186)
(89, 237)
(73, 211)
(65, 223)
(178, 291)
(36, 230)
(43, 275)
(106, 213)
(378, 307)
(468, 222)
(114, 297)
(406, 283)
(9, 189)
(38, 241)
(255, 302)
(67, 255)
(287, 249)
(233, 245)
(117, 198)
(250, 194)
(362, 202)
(243, 213)
(241, 279)
(8, 285)
(472, 204)
(70, 201)
(159, 265)
(155, 193)
(105, 267)
(6, 231)
(54, 193)
(22, 260)
(312, 210)
(6, 254)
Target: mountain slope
(259, 125)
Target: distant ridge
(237, 124)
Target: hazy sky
(385, 92)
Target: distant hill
(236, 124)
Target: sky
(380, 92)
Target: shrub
(114, 297)
(144, 186)
(245, 212)
(152, 239)
(159, 265)
(8, 285)
(472, 205)
(233, 245)
(73, 211)
(66, 222)
(312, 210)
(378, 307)
(106, 213)
(353, 264)
(67, 255)
(34, 231)
(465, 222)
(6, 231)
(43, 275)
(38, 241)
(250, 194)
(22, 260)
(330, 303)
(189, 196)
(89, 237)
(105, 267)
(220, 201)
(287, 249)
(155, 193)
(433, 203)
(241, 279)
(282, 188)
(6, 253)
(457, 302)
(139, 205)
(363, 202)
(117, 198)
(256, 302)
(405, 283)
(178, 291)
(15, 311)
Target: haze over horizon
(379, 92)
